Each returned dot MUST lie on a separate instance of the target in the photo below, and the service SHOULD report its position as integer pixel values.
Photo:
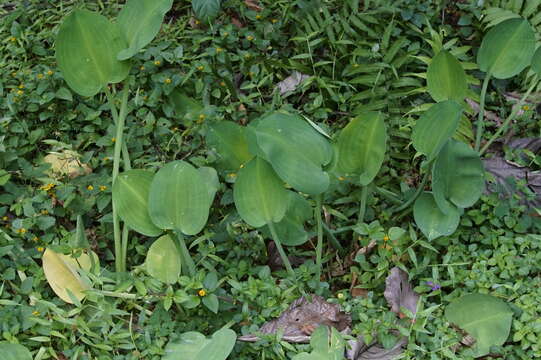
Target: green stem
(362, 207)
(334, 241)
(319, 246)
(116, 167)
(187, 262)
(281, 251)
(510, 118)
(388, 195)
(481, 118)
(415, 196)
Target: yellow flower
(232, 175)
(142, 68)
(44, 212)
(20, 92)
(222, 83)
(40, 249)
(202, 292)
(258, 16)
(5, 218)
(47, 187)
(247, 56)
(40, 76)
(340, 296)
(113, 139)
(219, 50)
(13, 39)
(157, 62)
(241, 166)
(274, 21)
(197, 22)
(341, 178)
(225, 33)
(168, 81)
(201, 117)
(50, 72)
(14, 74)
(90, 187)
(22, 231)
(386, 238)
(525, 108)
(35, 313)
(21, 86)
(249, 37)
(103, 187)
(35, 239)
(200, 68)
(106, 158)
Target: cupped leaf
(507, 48)
(206, 9)
(295, 150)
(536, 62)
(195, 346)
(14, 352)
(431, 220)
(446, 79)
(229, 140)
(130, 196)
(86, 51)
(290, 229)
(435, 127)
(484, 317)
(140, 22)
(457, 176)
(163, 260)
(361, 146)
(61, 273)
(259, 194)
(179, 198)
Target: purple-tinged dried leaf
(399, 293)
(291, 82)
(360, 351)
(302, 317)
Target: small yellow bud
(21, 86)
(258, 16)
(525, 108)
(22, 231)
(35, 239)
(225, 33)
(168, 81)
(157, 62)
(232, 175)
(222, 83)
(200, 68)
(14, 74)
(113, 139)
(5, 218)
(44, 212)
(50, 72)
(13, 39)
(35, 313)
(219, 50)
(103, 187)
(274, 21)
(142, 68)
(90, 187)
(20, 92)
(201, 116)
(249, 37)
(241, 166)
(197, 22)
(202, 292)
(40, 76)
(386, 238)
(340, 296)
(247, 56)
(40, 249)
(355, 65)
(341, 178)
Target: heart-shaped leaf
(435, 127)
(140, 22)
(61, 273)
(507, 48)
(486, 318)
(206, 9)
(86, 51)
(130, 196)
(457, 176)
(179, 198)
(14, 352)
(163, 260)
(431, 220)
(195, 346)
(290, 229)
(260, 196)
(295, 150)
(361, 146)
(229, 140)
(446, 78)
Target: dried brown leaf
(399, 293)
(253, 5)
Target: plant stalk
(281, 251)
(481, 118)
(510, 118)
(362, 206)
(319, 246)
(188, 265)
(414, 197)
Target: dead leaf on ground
(66, 163)
(489, 115)
(291, 82)
(361, 351)
(253, 5)
(275, 260)
(399, 293)
(302, 318)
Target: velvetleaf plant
(93, 52)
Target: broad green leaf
(86, 51)
(14, 352)
(290, 229)
(536, 62)
(259, 194)
(206, 9)
(361, 146)
(435, 127)
(195, 346)
(140, 22)
(61, 273)
(130, 196)
(446, 79)
(295, 150)
(211, 302)
(179, 198)
(163, 260)
(484, 317)
(507, 48)
(185, 107)
(457, 176)
(324, 347)
(212, 182)
(229, 140)
(431, 220)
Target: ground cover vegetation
(252, 179)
